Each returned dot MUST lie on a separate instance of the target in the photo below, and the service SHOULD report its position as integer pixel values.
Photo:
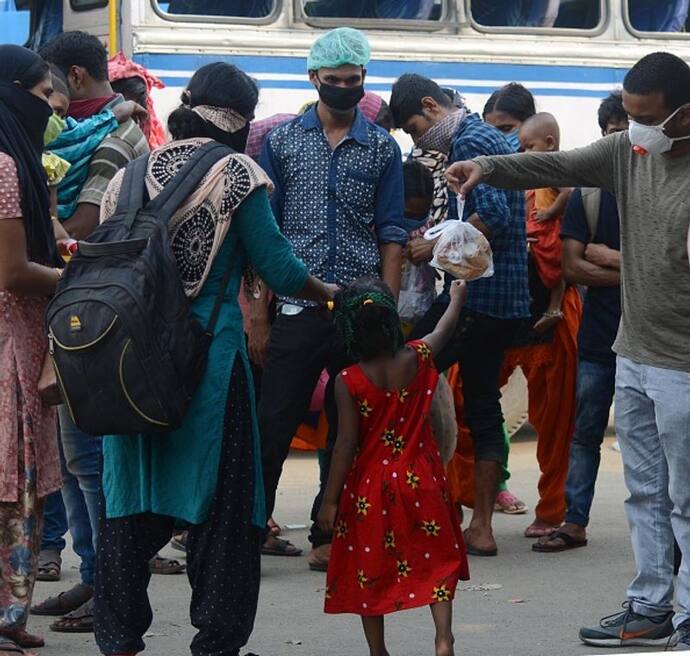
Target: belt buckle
(290, 309)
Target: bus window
(655, 16)
(560, 14)
(14, 22)
(237, 8)
(400, 9)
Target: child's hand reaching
(458, 291)
(326, 516)
(129, 109)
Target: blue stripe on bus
(466, 70)
(372, 86)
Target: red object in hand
(68, 247)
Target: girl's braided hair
(367, 321)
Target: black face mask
(235, 140)
(340, 99)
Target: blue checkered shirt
(336, 206)
(506, 294)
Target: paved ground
(542, 601)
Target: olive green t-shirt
(653, 195)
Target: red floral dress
(397, 541)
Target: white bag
(461, 250)
(417, 291)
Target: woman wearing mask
(508, 108)
(208, 472)
(29, 462)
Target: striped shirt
(115, 152)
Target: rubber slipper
(49, 566)
(23, 638)
(78, 621)
(533, 532)
(160, 565)
(569, 542)
(10, 647)
(509, 504)
(280, 548)
(483, 553)
(65, 602)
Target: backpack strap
(186, 180)
(591, 201)
(133, 188)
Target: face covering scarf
(440, 136)
(23, 121)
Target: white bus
(570, 53)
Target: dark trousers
(478, 344)
(300, 348)
(223, 555)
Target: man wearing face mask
(339, 200)
(647, 168)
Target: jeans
(301, 346)
(54, 524)
(595, 387)
(478, 344)
(81, 487)
(653, 425)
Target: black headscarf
(23, 120)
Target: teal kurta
(175, 474)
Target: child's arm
(553, 313)
(447, 323)
(344, 454)
(557, 208)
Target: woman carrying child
(397, 542)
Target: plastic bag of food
(461, 250)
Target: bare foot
(445, 646)
(480, 540)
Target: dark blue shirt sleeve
(575, 220)
(390, 202)
(489, 203)
(270, 164)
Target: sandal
(509, 504)
(278, 547)
(179, 542)
(65, 602)
(22, 638)
(568, 542)
(78, 621)
(160, 565)
(49, 566)
(533, 531)
(11, 647)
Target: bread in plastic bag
(461, 250)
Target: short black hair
(384, 119)
(611, 110)
(418, 180)
(513, 99)
(664, 72)
(408, 91)
(78, 49)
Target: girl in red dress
(397, 542)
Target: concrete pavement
(542, 600)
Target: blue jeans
(595, 387)
(81, 488)
(653, 425)
(54, 524)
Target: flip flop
(49, 566)
(78, 621)
(483, 553)
(65, 602)
(569, 542)
(10, 647)
(509, 504)
(23, 638)
(280, 548)
(532, 531)
(160, 565)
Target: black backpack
(128, 353)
